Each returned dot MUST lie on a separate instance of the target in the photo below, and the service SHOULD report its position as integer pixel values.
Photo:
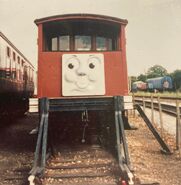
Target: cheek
(70, 76)
(93, 75)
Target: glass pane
(82, 43)
(101, 43)
(54, 44)
(110, 44)
(8, 51)
(64, 43)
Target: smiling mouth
(82, 84)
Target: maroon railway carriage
(16, 79)
(82, 84)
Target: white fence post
(133, 105)
(144, 104)
(178, 128)
(161, 117)
(152, 109)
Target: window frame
(14, 56)
(8, 51)
(87, 49)
(69, 42)
(115, 46)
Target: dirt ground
(17, 149)
(149, 163)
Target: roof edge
(15, 48)
(80, 16)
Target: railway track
(93, 166)
(81, 165)
(16, 177)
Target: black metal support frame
(120, 134)
(114, 104)
(41, 146)
(153, 130)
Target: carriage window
(22, 63)
(82, 43)
(101, 44)
(8, 51)
(104, 44)
(64, 43)
(109, 44)
(18, 59)
(14, 56)
(54, 44)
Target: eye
(71, 66)
(72, 63)
(91, 65)
(94, 62)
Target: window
(8, 52)
(22, 63)
(101, 44)
(82, 43)
(104, 44)
(14, 56)
(18, 73)
(82, 35)
(54, 44)
(21, 69)
(64, 43)
(110, 44)
(18, 60)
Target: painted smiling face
(83, 74)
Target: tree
(142, 77)
(176, 76)
(133, 79)
(156, 71)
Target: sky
(153, 33)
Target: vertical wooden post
(133, 105)
(178, 127)
(161, 117)
(177, 132)
(152, 109)
(144, 104)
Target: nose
(81, 74)
(81, 71)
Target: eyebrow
(93, 56)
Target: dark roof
(12, 45)
(81, 16)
